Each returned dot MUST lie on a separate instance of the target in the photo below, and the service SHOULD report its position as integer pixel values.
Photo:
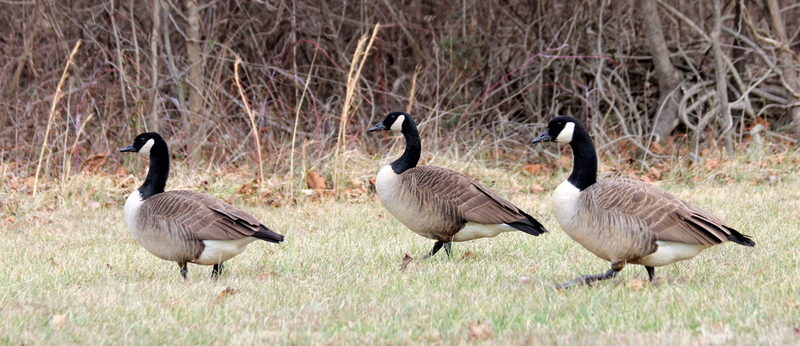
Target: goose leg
(588, 279)
(651, 272)
(436, 247)
(217, 270)
(447, 246)
(184, 270)
(616, 267)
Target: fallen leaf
(755, 124)
(406, 260)
(172, 302)
(479, 331)
(267, 275)
(10, 219)
(532, 169)
(93, 205)
(225, 293)
(656, 148)
(712, 164)
(58, 321)
(315, 181)
(535, 188)
(468, 255)
(29, 181)
(524, 279)
(636, 284)
(654, 173)
(94, 162)
(565, 161)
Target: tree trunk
(668, 78)
(196, 129)
(723, 110)
(788, 65)
(154, 58)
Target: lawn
(73, 274)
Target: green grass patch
(73, 274)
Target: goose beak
(544, 137)
(128, 149)
(378, 127)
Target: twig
(251, 115)
(52, 116)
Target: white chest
(131, 209)
(566, 204)
(399, 202)
(386, 181)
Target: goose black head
(396, 122)
(561, 129)
(144, 143)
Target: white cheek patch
(397, 126)
(145, 150)
(565, 136)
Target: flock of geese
(622, 221)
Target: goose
(439, 203)
(186, 226)
(626, 221)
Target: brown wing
(460, 195)
(202, 216)
(667, 216)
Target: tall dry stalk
(359, 58)
(413, 89)
(297, 122)
(56, 97)
(251, 116)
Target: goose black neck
(410, 156)
(156, 179)
(584, 165)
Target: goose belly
(670, 252)
(218, 251)
(474, 230)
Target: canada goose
(624, 220)
(186, 226)
(439, 203)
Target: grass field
(72, 274)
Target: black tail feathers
(267, 234)
(528, 225)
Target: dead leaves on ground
(407, 258)
(227, 292)
(315, 181)
(58, 321)
(479, 330)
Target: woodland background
(651, 79)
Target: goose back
(437, 203)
